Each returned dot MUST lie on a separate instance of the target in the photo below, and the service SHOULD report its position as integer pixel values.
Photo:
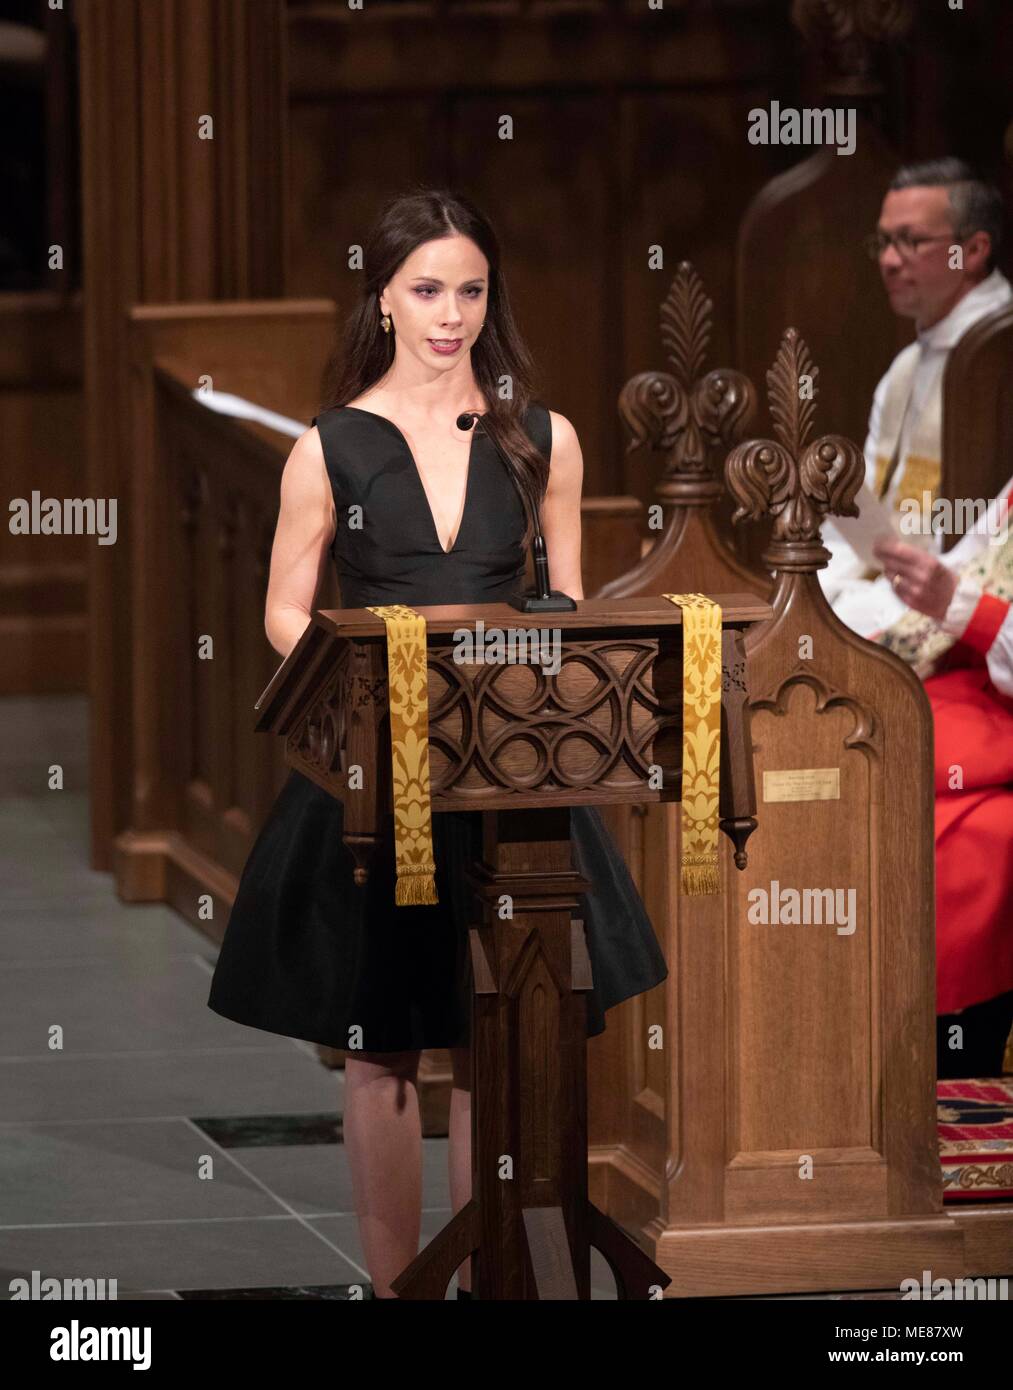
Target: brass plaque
(803, 784)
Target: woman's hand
(919, 579)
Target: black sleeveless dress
(308, 954)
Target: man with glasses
(949, 615)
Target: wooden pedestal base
(529, 1225)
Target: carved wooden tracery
(608, 715)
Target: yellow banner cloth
(409, 746)
(701, 741)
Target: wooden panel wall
(629, 131)
(43, 597)
(167, 215)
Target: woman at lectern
(400, 483)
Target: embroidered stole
(922, 462)
(701, 741)
(407, 679)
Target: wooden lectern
(522, 745)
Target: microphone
(545, 598)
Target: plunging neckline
(418, 476)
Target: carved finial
(682, 410)
(849, 34)
(796, 481)
(686, 324)
(792, 387)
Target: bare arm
(305, 529)
(561, 508)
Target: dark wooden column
(167, 216)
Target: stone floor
(101, 1142)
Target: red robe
(974, 821)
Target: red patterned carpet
(976, 1138)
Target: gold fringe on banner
(701, 741)
(409, 746)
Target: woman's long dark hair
(499, 356)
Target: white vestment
(905, 437)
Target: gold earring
(385, 320)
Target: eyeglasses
(907, 245)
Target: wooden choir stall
(790, 1144)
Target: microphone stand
(544, 598)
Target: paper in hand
(877, 521)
